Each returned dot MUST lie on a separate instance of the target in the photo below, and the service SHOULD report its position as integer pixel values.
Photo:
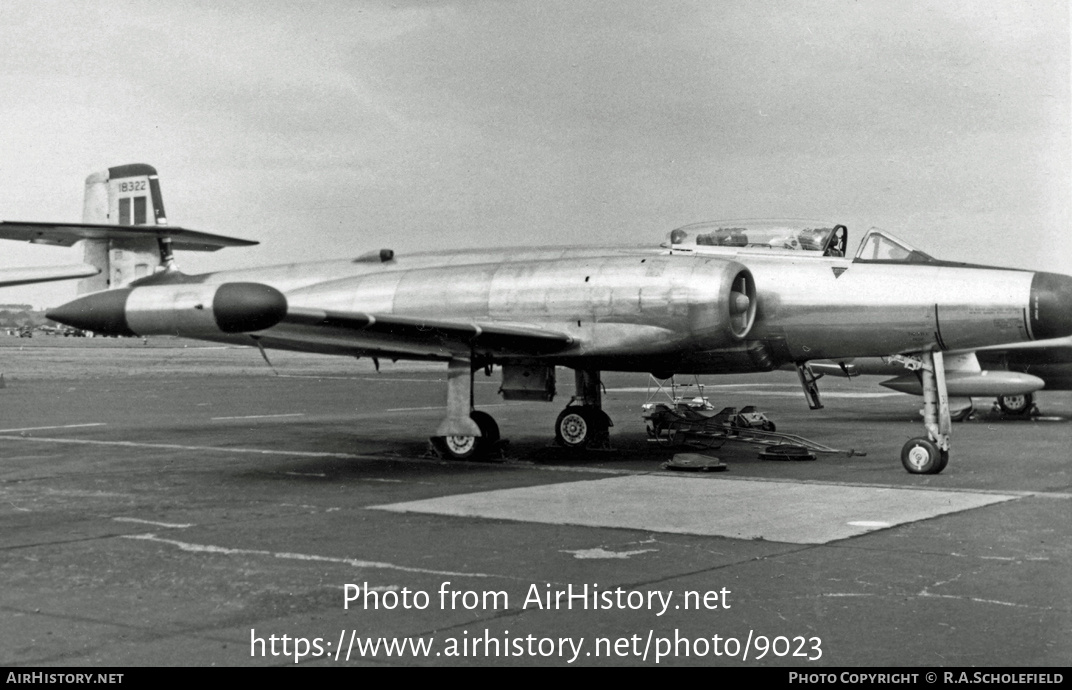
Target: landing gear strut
(465, 433)
(931, 454)
(585, 425)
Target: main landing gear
(930, 455)
(470, 447)
(1017, 405)
(585, 425)
(469, 434)
(465, 433)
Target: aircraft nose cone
(101, 312)
(246, 307)
(1051, 306)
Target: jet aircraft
(723, 297)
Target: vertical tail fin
(123, 195)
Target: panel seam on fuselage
(938, 330)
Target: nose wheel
(929, 454)
(922, 456)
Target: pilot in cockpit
(836, 245)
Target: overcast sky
(326, 129)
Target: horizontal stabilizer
(66, 234)
(44, 274)
(489, 335)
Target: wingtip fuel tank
(973, 384)
(100, 312)
(190, 309)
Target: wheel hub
(574, 428)
(919, 457)
(460, 444)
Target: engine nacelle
(723, 312)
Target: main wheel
(469, 447)
(1016, 404)
(457, 447)
(488, 427)
(579, 427)
(922, 456)
(574, 427)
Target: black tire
(1017, 405)
(579, 427)
(469, 447)
(488, 426)
(574, 427)
(921, 456)
(943, 460)
(456, 447)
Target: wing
(1058, 343)
(44, 274)
(66, 234)
(415, 335)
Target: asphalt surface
(181, 506)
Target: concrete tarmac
(183, 506)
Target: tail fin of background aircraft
(124, 232)
(123, 195)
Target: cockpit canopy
(823, 239)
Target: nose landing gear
(930, 455)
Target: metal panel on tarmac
(774, 511)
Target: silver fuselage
(637, 309)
